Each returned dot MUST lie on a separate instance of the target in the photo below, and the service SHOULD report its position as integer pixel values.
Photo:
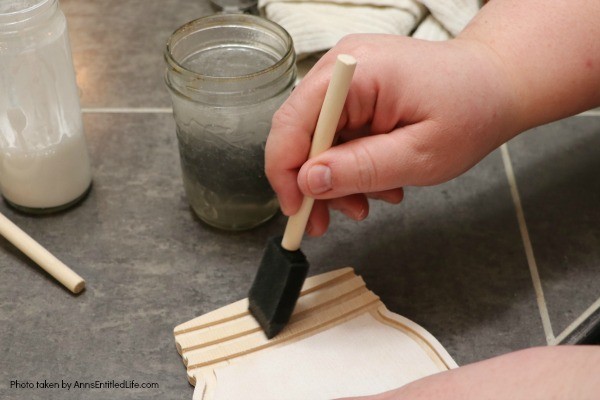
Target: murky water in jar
(222, 148)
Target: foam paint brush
(283, 268)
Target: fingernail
(347, 212)
(363, 214)
(319, 179)
(284, 209)
(351, 213)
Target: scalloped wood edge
(228, 334)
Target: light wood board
(341, 341)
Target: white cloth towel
(317, 25)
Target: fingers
(293, 125)
(393, 196)
(354, 206)
(287, 147)
(373, 164)
(289, 140)
(318, 222)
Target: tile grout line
(535, 277)
(127, 110)
(577, 321)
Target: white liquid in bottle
(44, 162)
(52, 177)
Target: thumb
(370, 164)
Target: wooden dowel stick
(40, 255)
(322, 140)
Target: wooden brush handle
(40, 255)
(322, 140)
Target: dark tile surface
(148, 262)
(449, 257)
(118, 48)
(557, 170)
(120, 240)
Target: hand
(559, 372)
(418, 113)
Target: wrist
(548, 51)
(509, 111)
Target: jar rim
(12, 20)
(243, 19)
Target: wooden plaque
(341, 341)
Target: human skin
(541, 373)
(421, 113)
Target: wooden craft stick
(40, 255)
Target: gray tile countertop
(453, 258)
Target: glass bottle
(44, 163)
(227, 75)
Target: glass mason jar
(44, 164)
(227, 74)
(235, 6)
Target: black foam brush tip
(277, 286)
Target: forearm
(549, 52)
(560, 373)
